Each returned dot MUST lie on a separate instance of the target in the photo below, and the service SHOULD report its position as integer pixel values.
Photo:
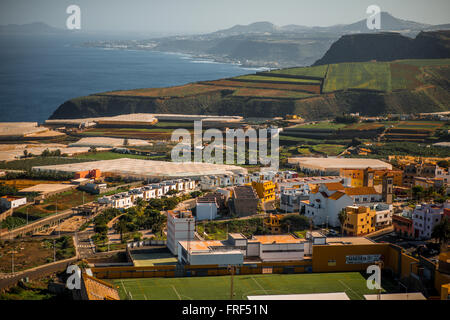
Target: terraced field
(316, 71)
(368, 76)
(319, 92)
(266, 78)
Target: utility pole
(27, 215)
(380, 265)
(232, 270)
(54, 251)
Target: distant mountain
(30, 28)
(253, 28)
(388, 46)
(263, 44)
(388, 23)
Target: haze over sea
(38, 73)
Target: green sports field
(218, 288)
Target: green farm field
(275, 79)
(218, 287)
(365, 75)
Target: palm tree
(342, 217)
(441, 231)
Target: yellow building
(273, 223)
(265, 190)
(356, 177)
(359, 221)
(370, 177)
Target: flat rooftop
(201, 245)
(313, 296)
(48, 187)
(282, 238)
(147, 168)
(338, 163)
(106, 142)
(396, 296)
(341, 241)
(323, 179)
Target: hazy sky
(188, 16)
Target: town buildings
(237, 248)
(180, 227)
(425, 217)
(359, 221)
(244, 201)
(8, 202)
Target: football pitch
(218, 288)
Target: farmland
(316, 71)
(266, 78)
(368, 76)
(314, 93)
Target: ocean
(38, 73)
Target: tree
(441, 231)
(295, 222)
(342, 217)
(125, 142)
(417, 192)
(93, 149)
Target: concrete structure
(332, 166)
(325, 203)
(370, 177)
(49, 189)
(117, 201)
(290, 199)
(147, 169)
(363, 195)
(305, 184)
(383, 214)
(265, 190)
(424, 170)
(209, 206)
(312, 296)
(403, 224)
(9, 202)
(273, 223)
(425, 217)
(244, 201)
(180, 227)
(237, 248)
(89, 174)
(359, 221)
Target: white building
(324, 204)
(363, 195)
(425, 217)
(9, 202)
(206, 209)
(237, 247)
(117, 201)
(180, 227)
(384, 212)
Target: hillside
(370, 88)
(263, 44)
(388, 46)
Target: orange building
(273, 223)
(359, 221)
(92, 174)
(370, 177)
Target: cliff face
(387, 47)
(319, 107)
